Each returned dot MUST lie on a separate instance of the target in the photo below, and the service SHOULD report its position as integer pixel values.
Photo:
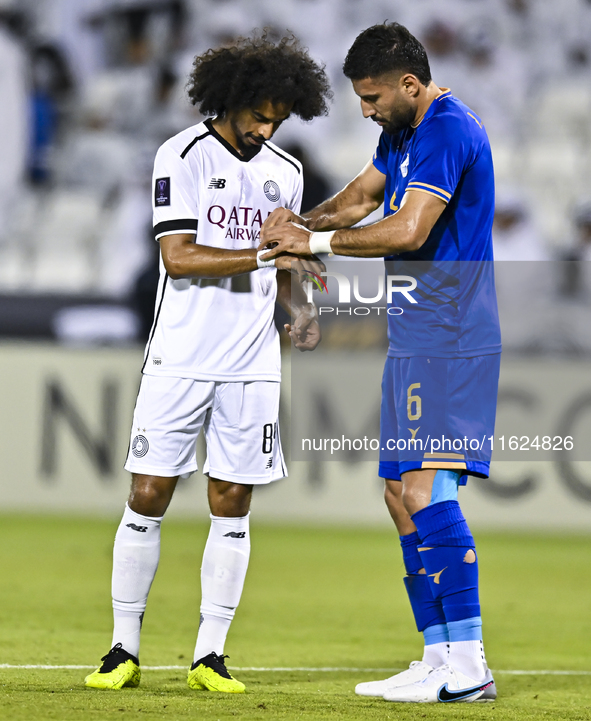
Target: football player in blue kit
(433, 171)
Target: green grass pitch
(314, 599)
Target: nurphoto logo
(387, 287)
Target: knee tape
(443, 524)
(445, 487)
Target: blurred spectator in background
(576, 280)
(141, 40)
(515, 237)
(14, 116)
(143, 296)
(575, 288)
(440, 38)
(495, 78)
(522, 284)
(52, 88)
(316, 187)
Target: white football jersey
(218, 329)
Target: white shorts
(239, 422)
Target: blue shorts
(438, 413)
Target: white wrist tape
(264, 263)
(320, 242)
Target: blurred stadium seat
(65, 251)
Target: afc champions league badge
(140, 446)
(271, 190)
(162, 192)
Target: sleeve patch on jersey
(162, 192)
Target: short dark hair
(386, 48)
(257, 69)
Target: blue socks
(445, 600)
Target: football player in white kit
(212, 360)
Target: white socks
(435, 654)
(135, 559)
(468, 658)
(225, 561)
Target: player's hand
(283, 215)
(304, 330)
(301, 267)
(286, 238)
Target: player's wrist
(320, 242)
(264, 263)
(306, 310)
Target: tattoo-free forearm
(183, 258)
(346, 208)
(406, 230)
(290, 294)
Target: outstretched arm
(355, 201)
(304, 329)
(406, 230)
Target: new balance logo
(234, 534)
(217, 183)
(269, 464)
(141, 529)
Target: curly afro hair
(386, 48)
(257, 69)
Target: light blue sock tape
(436, 634)
(470, 629)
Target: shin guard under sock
(427, 610)
(225, 562)
(135, 560)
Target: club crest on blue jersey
(271, 190)
(404, 166)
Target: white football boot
(445, 685)
(417, 671)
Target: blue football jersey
(454, 313)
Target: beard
(399, 120)
(246, 149)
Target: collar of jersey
(230, 148)
(433, 107)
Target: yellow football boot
(210, 674)
(118, 669)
